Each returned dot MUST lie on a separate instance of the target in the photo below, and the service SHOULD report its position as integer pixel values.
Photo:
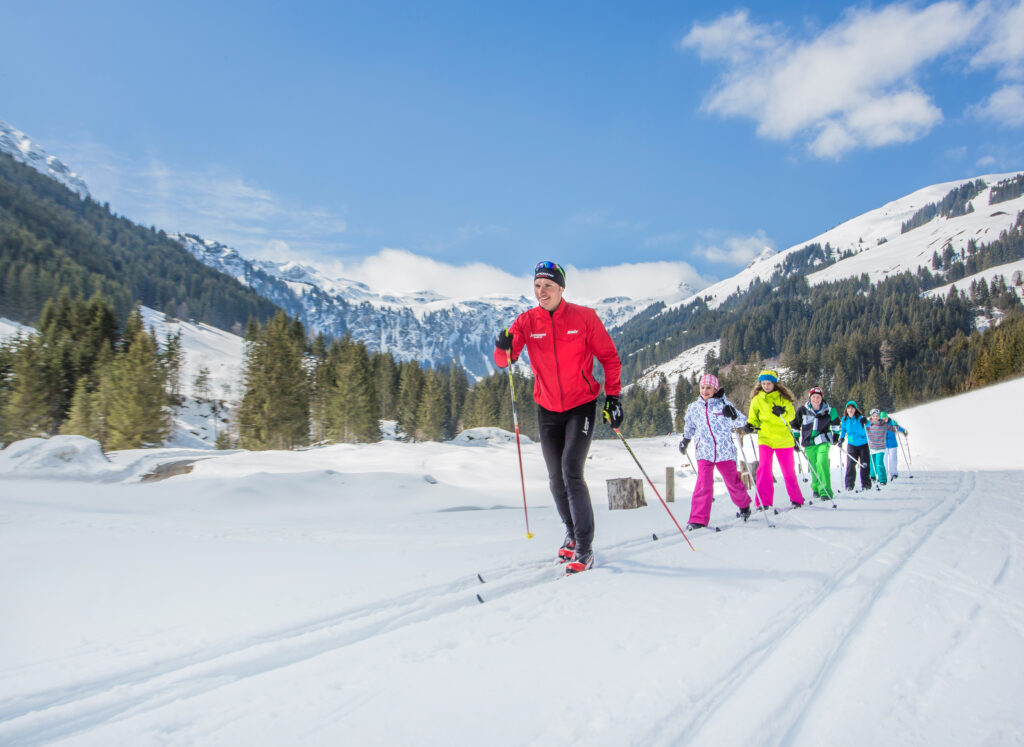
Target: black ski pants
(565, 440)
(863, 455)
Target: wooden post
(670, 484)
(625, 492)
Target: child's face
(816, 400)
(706, 390)
(850, 409)
(767, 385)
(874, 419)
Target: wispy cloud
(735, 250)
(851, 86)
(213, 203)
(401, 271)
(1004, 107)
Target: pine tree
(27, 409)
(137, 416)
(274, 413)
(410, 387)
(430, 415)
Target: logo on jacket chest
(539, 335)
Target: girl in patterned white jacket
(711, 419)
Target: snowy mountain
(424, 326)
(873, 243)
(234, 605)
(22, 148)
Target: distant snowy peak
(22, 148)
(766, 254)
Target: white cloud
(1005, 107)
(851, 86)
(736, 250)
(986, 162)
(1004, 45)
(401, 271)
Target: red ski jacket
(562, 346)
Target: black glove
(836, 439)
(778, 410)
(612, 411)
(863, 420)
(841, 442)
(504, 341)
(683, 444)
(796, 447)
(751, 429)
(730, 412)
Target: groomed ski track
(793, 627)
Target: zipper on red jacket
(554, 349)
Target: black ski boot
(745, 513)
(694, 525)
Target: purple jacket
(711, 429)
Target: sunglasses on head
(546, 265)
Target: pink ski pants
(765, 482)
(700, 507)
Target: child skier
(771, 412)
(876, 432)
(852, 431)
(818, 423)
(892, 446)
(711, 419)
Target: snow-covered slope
(237, 604)
(22, 148)
(879, 249)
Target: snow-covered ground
(330, 596)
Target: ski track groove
(722, 693)
(45, 715)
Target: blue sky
(477, 135)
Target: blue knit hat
(768, 375)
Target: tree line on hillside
(85, 374)
(52, 239)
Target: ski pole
(690, 461)
(753, 480)
(651, 482)
(821, 482)
(906, 455)
(519, 449)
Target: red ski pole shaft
(621, 438)
(519, 449)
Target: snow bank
(60, 457)
(487, 436)
(979, 430)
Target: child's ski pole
(621, 438)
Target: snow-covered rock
(22, 148)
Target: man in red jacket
(562, 340)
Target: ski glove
(683, 445)
(730, 412)
(504, 341)
(751, 428)
(612, 411)
(778, 410)
(863, 420)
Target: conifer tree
(136, 416)
(430, 415)
(27, 411)
(274, 413)
(410, 387)
(353, 404)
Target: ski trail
(73, 708)
(752, 683)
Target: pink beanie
(709, 380)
